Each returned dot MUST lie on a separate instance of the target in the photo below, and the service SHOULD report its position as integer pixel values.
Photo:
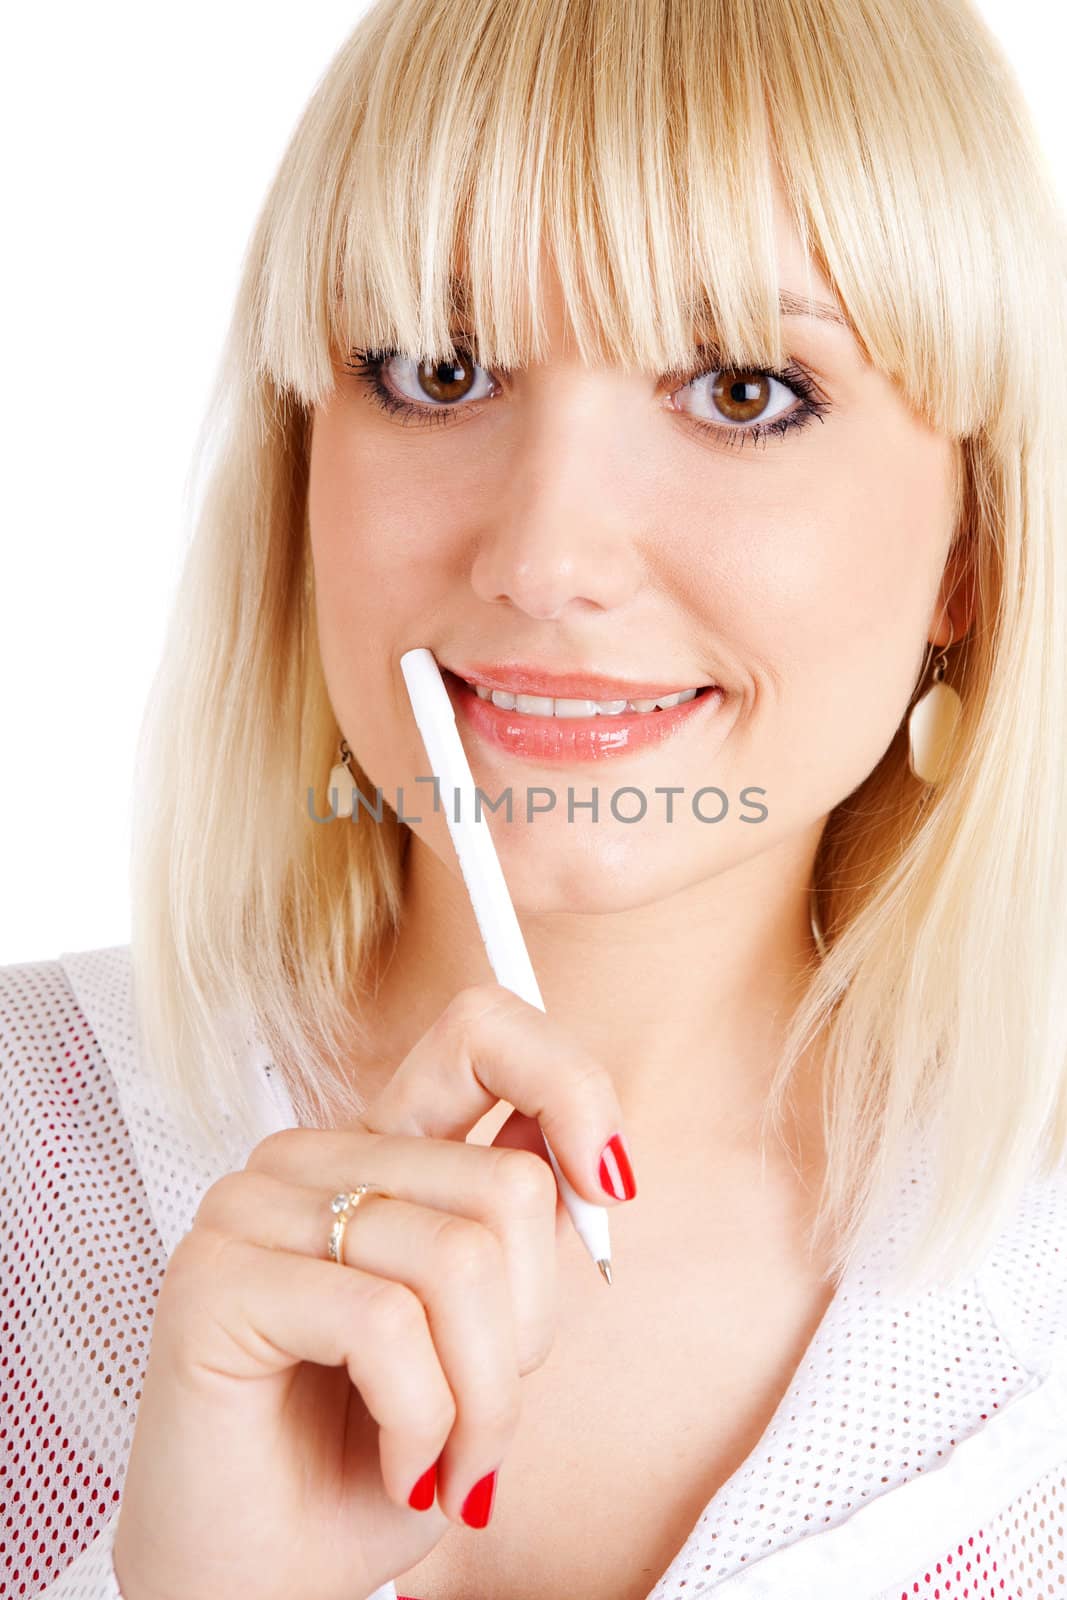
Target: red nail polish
(421, 1497)
(616, 1174)
(478, 1506)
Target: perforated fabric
(921, 1449)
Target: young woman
(615, 351)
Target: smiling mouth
(565, 708)
(541, 735)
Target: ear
(956, 598)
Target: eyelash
(367, 370)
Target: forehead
(797, 270)
(804, 290)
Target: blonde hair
(636, 138)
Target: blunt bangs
(638, 145)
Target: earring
(816, 925)
(341, 781)
(932, 724)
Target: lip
(568, 740)
(520, 678)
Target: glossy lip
(574, 739)
(522, 678)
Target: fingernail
(421, 1497)
(616, 1174)
(478, 1506)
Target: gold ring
(343, 1206)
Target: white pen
(482, 874)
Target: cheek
(369, 584)
(343, 558)
(794, 569)
(875, 555)
(364, 547)
(831, 598)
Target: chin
(546, 877)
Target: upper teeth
(542, 706)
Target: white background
(137, 144)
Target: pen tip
(605, 1267)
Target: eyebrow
(789, 304)
(797, 305)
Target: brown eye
(743, 400)
(437, 388)
(741, 396)
(445, 380)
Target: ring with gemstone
(343, 1205)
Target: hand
(291, 1403)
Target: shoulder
(86, 1259)
(50, 1056)
(65, 1137)
(1023, 1279)
(40, 1015)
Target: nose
(563, 537)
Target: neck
(685, 1000)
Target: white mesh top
(921, 1449)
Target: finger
(489, 1045)
(249, 1312)
(453, 1265)
(512, 1192)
